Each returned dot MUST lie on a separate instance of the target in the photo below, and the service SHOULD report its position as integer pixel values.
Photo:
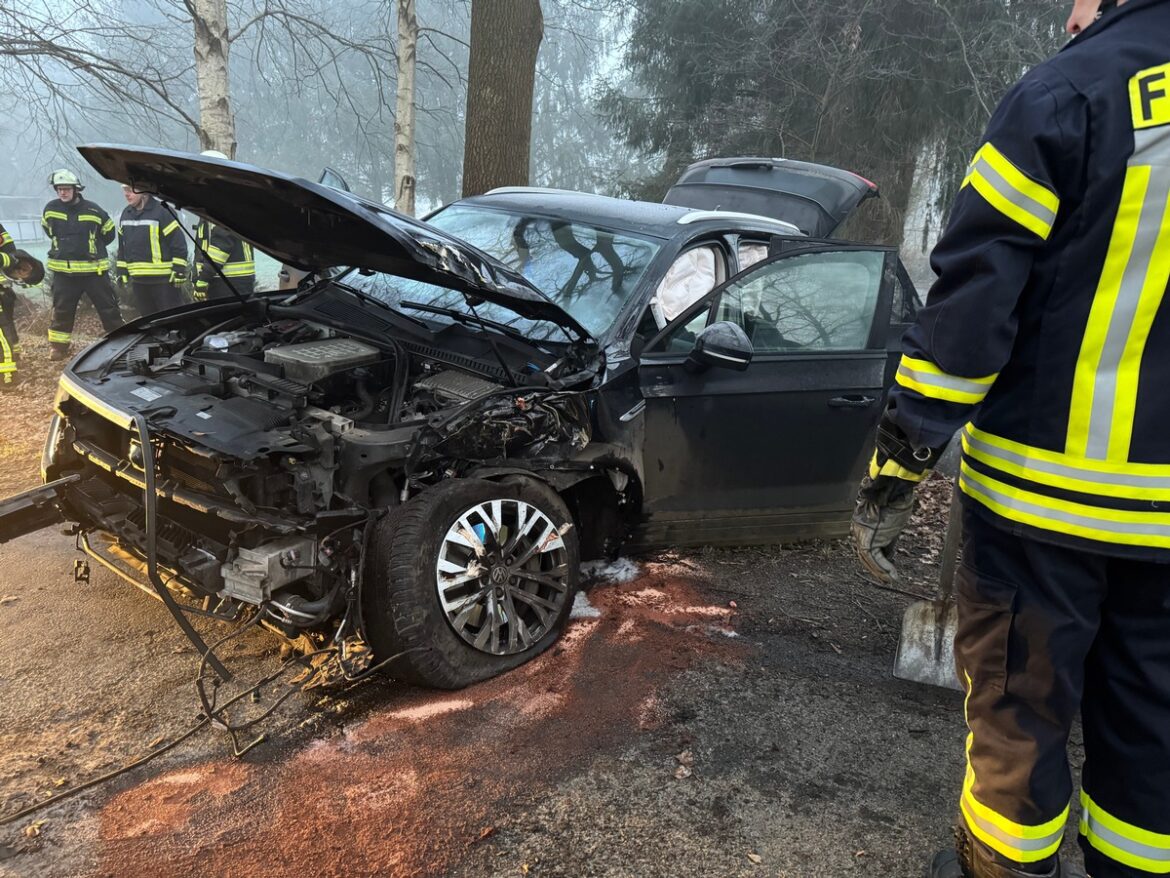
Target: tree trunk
(404, 114)
(217, 125)
(505, 40)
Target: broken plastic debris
(682, 773)
(755, 858)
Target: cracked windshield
(589, 272)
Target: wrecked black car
(416, 448)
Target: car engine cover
(315, 361)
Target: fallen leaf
(59, 782)
(686, 757)
(524, 868)
(859, 854)
(733, 605)
(8, 599)
(487, 832)
(755, 858)
(32, 831)
(682, 773)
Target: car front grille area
(112, 450)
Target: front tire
(473, 577)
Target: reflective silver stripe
(1093, 827)
(1012, 841)
(946, 382)
(1126, 480)
(139, 223)
(1153, 149)
(1059, 512)
(1024, 202)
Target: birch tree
(404, 177)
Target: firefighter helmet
(64, 177)
(215, 154)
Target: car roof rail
(538, 190)
(698, 216)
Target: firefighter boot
(58, 351)
(970, 860)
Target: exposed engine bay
(277, 440)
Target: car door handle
(851, 402)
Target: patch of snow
(621, 570)
(582, 609)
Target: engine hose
(150, 497)
(311, 612)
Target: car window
(904, 308)
(590, 272)
(808, 302)
(692, 275)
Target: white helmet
(215, 154)
(65, 177)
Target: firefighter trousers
(153, 296)
(217, 288)
(67, 292)
(1045, 630)
(9, 340)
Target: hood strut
(195, 244)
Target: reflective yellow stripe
(147, 269)
(5, 239)
(1129, 367)
(1017, 841)
(174, 225)
(931, 381)
(155, 247)
(220, 256)
(1124, 842)
(89, 218)
(108, 226)
(54, 214)
(1130, 481)
(1120, 527)
(239, 269)
(60, 337)
(893, 468)
(1012, 192)
(75, 266)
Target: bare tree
(404, 178)
(505, 41)
(217, 123)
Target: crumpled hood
(313, 227)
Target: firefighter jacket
(7, 249)
(1046, 337)
(216, 244)
(151, 246)
(79, 232)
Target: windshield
(587, 271)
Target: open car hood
(312, 227)
(814, 198)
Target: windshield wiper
(474, 319)
(365, 297)
(468, 319)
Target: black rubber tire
(401, 609)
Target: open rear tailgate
(24, 513)
(814, 198)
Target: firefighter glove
(885, 500)
(178, 274)
(201, 290)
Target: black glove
(885, 500)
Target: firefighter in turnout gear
(1046, 342)
(216, 246)
(79, 232)
(9, 342)
(152, 253)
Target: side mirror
(724, 345)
